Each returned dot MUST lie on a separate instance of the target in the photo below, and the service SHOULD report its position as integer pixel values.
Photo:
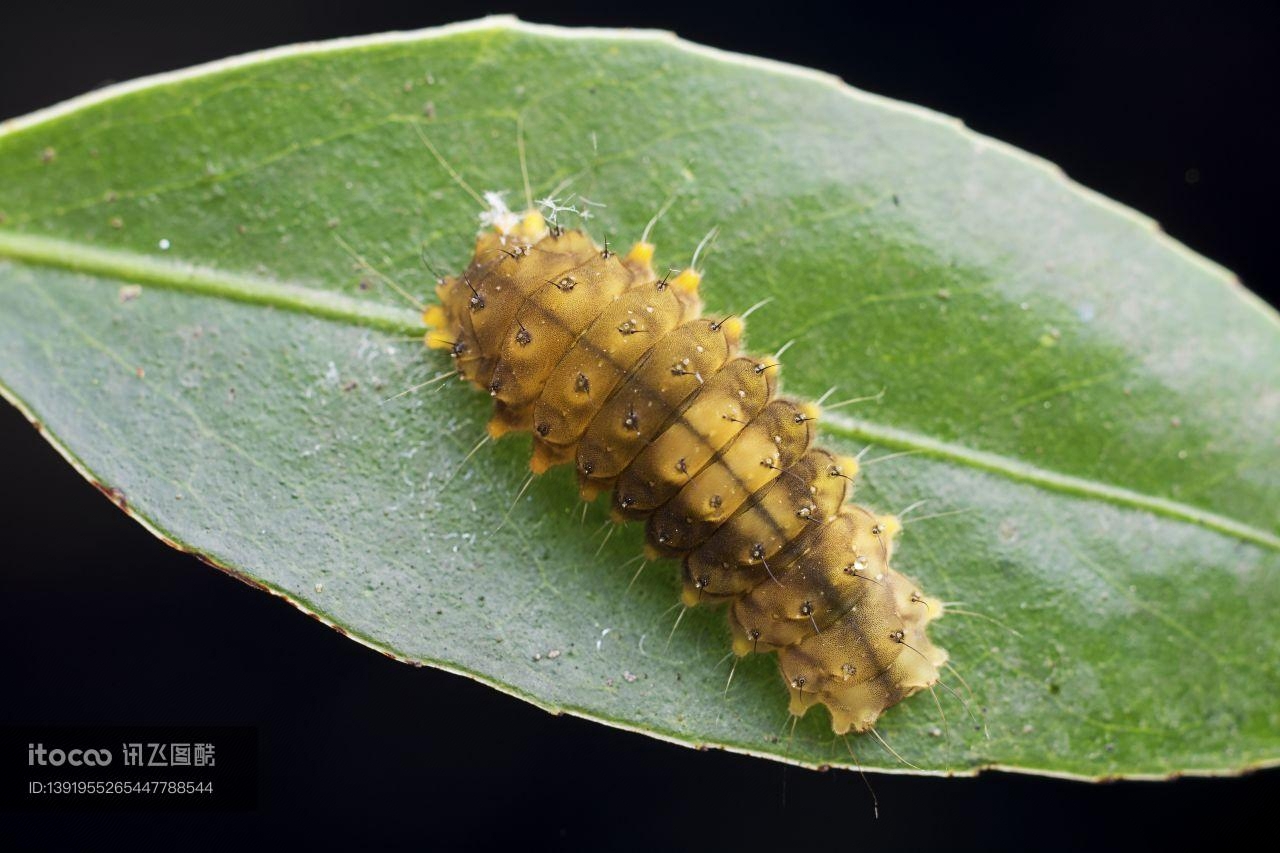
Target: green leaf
(1090, 410)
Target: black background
(1170, 109)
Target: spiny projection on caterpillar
(614, 370)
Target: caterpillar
(614, 370)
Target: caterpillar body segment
(615, 371)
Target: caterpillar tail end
(898, 658)
(857, 709)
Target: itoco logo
(38, 755)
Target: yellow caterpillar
(614, 370)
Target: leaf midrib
(190, 278)
(207, 281)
